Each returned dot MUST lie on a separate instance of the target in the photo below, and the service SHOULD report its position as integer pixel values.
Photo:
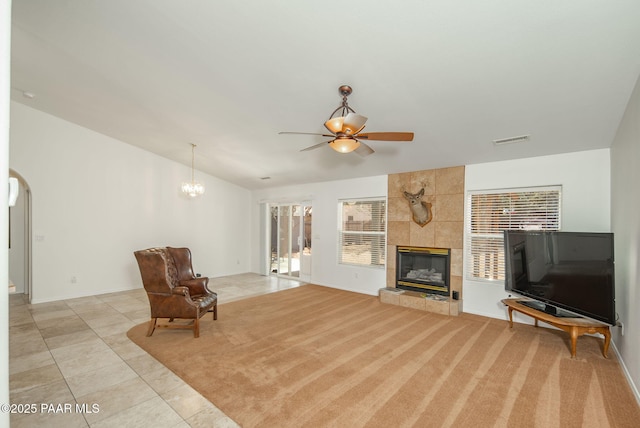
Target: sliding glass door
(290, 239)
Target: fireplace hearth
(423, 269)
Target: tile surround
(444, 189)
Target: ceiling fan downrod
(345, 91)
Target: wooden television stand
(574, 326)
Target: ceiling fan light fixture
(335, 124)
(344, 145)
(353, 123)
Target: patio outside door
(289, 226)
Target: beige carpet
(314, 356)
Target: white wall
(625, 207)
(324, 197)
(585, 180)
(95, 200)
(5, 85)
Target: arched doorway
(20, 258)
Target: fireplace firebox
(423, 269)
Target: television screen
(568, 271)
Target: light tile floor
(77, 352)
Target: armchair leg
(196, 327)
(152, 326)
(215, 311)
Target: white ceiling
(228, 75)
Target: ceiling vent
(510, 140)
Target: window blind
(361, 232)
(490, 213)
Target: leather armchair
(186, 277)
(168, 298)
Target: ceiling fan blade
(353, 123)
(363, 149)
(307, 133)
(386, 136)
(315, 146)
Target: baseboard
(80, 295)
(368, 292)
(633, 386)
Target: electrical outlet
(74, 280)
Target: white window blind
(361, 232)
(491, 213)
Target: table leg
(574, 339)
(510, 317)
(607, 341)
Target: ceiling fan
(346, 130)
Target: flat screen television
(566, 273)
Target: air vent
(510, 140)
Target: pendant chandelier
(192, 188)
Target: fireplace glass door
(423, 269)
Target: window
(361, 232)
(490, 213)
